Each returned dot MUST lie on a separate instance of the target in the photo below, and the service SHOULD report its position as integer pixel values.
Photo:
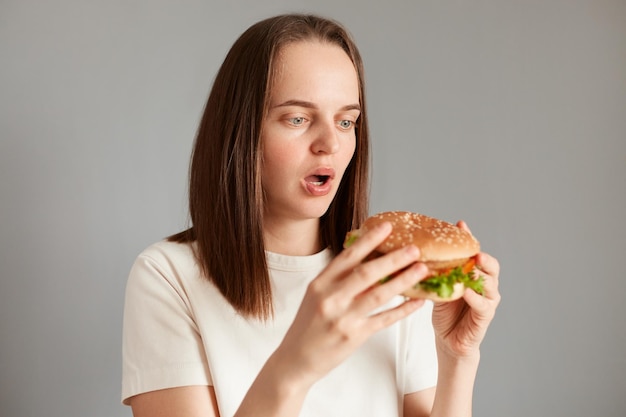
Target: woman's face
(308, 136)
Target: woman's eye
(346, 124)
(296, 121)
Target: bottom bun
(418, 292)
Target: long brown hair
(225, 194)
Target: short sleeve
(161, 344)
(421, 367)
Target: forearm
(277, 391)
(455, 385)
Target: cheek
(348, 153)
(276, 159)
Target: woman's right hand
(337, 313)
(340, 310)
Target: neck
(295, 238)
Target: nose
(326, 140)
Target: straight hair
(225, 193)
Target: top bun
(441, 244)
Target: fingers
(463, 226)
(371, 272)
(386, 318)
(349, 273)
(379, 294)
(351, 284)
(354, 255)
(489, 269)
(364, 245)
(488, 264)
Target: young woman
(256, 310)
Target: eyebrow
(310, 105)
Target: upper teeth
(321, 179)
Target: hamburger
(448, 251)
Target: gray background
(508, 114)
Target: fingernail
(383, 227)
(419, 268)
(412, 250)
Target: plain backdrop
(510, 115)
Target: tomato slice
(469, 266)
(466, 268)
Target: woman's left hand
(460, 325)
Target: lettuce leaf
(351, 237)
(443, 284)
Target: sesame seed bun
(443, 246)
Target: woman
(256, 310)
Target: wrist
(466, 358)
(458, 354)
(454, 365)
(287, 375)
(278, 390)
(455, 385)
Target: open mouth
(318, 179)
(319, 182)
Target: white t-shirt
(180, 331)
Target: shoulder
(166, 251)
(169, 261)
(169, 255)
